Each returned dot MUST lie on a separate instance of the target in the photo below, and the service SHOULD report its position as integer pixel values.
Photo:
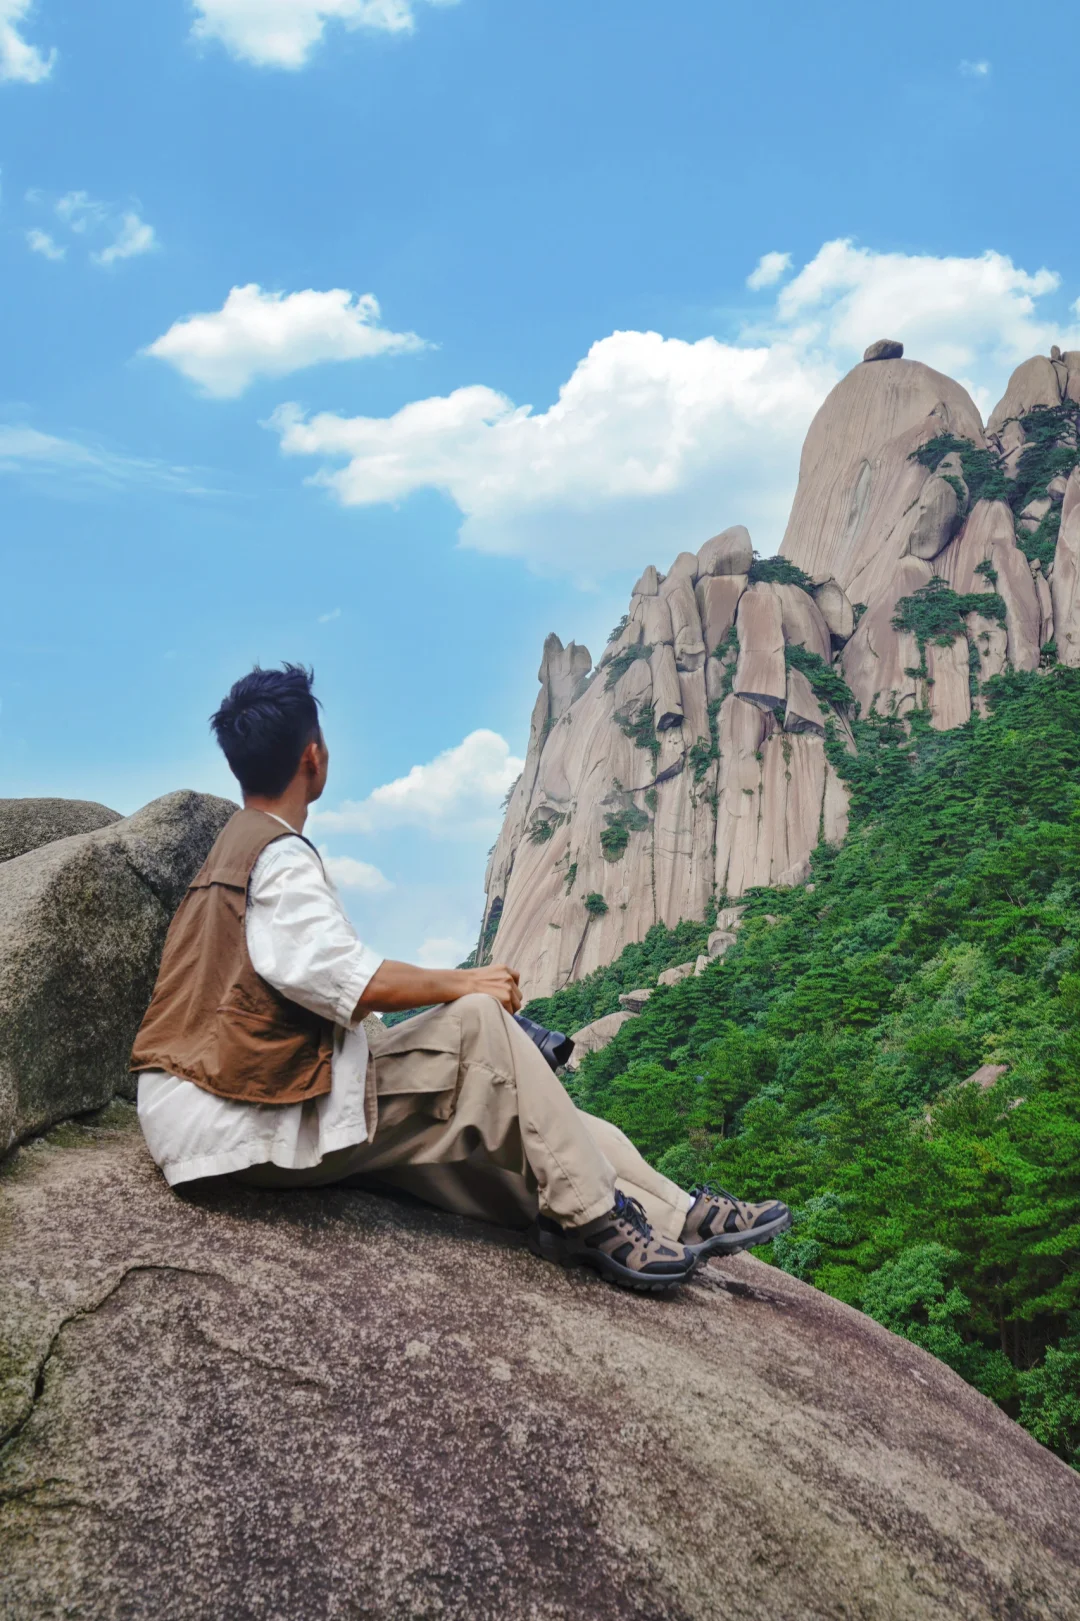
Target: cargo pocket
(420, 1081)
(418, 1067)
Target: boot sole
(612, 1271)
(731, 1243)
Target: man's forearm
(397, 986)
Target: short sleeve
(299, 938)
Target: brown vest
(211, 1019)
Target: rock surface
(332, 1404)
(26, 824)
(593, 1037)
(82, 924)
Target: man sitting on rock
(257, 1060)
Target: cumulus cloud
(133, 238)
(283, 33)
(19, 60)
(654, 441)
(769, 270)
(41, 242)
(975, 70)
(974, 318)
(458, 794)
(443, 951)
(350, 874)
(265, 334)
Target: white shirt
(301, 942)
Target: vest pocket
(263, 1062)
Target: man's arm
(397, 986)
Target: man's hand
(397, 986)
(497, 981)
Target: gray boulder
(884, 349)
(82, 923)
(240, 1406)
(27, 824)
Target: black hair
(264, 726)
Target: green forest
(826, 1058)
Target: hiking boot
(718, 1224)
(620, 1245)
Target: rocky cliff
(925, 553)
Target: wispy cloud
(63, 461)
(335, 613)
(20, 62)
(975, 70)
(41, 242)
(443, 951)
(133, 238)
(85, 217)
(770, 268)
(348, 873)
(79, 211)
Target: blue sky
(390, 336)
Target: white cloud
(975, 70)
(770, 269)
(41, 242)
(133, 238)
(458, 794)
(349, 874)
(18, 59)
(257, 334)
(282, 33)
(654, 443)
(443, 951)
(335, 613)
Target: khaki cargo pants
(472, 1119)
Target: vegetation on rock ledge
(824, 1059)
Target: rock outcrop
(694, 763)
(82, 924)
(27, 824)
(238, 1404)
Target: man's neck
(292, 807)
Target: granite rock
(334, 1403)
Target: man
(257, 1058)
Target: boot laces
(708, 1191)
(630, 1210)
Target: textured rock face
(82, 923)
(27, 824)
(856, 481)
(692, 766)
(592, 1038)
(238, 1404)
